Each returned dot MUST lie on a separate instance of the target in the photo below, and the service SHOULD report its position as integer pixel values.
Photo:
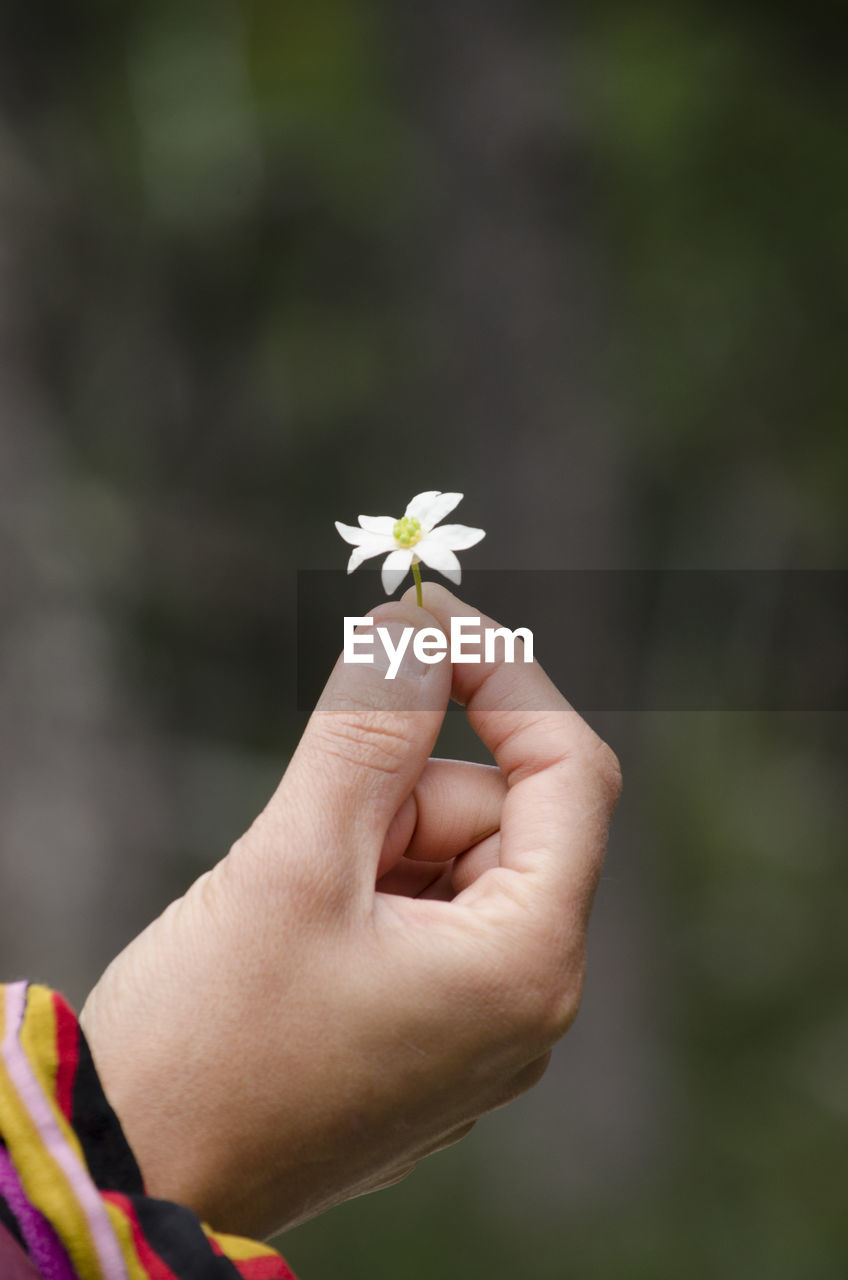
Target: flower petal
(395, 568)
(376, 542)
(350, 533)
(438, 556)
(431, 507)
(421, 502)
(378, 524)
(365, 552)
(459, 537)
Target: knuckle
(368, 739)
(608, 771)
(564, 987)
(563, 1007)
(557, 1010)
(548, 1005)
(533, 1073)
(527, 1077)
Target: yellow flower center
(407, 532)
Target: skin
(390, 951)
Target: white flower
(412, 538)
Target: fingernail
(394, 655)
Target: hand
(390, 951)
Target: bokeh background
(267, 265)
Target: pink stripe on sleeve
(29, 1090)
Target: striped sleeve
(71, 1194)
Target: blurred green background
(264, 266)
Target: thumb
(365, 744)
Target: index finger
(563, 780)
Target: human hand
(388, 953)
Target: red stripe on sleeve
(267, 1266)
(153, 1265)
(263, 1268)
(67, 1054)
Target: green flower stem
(416, 573)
